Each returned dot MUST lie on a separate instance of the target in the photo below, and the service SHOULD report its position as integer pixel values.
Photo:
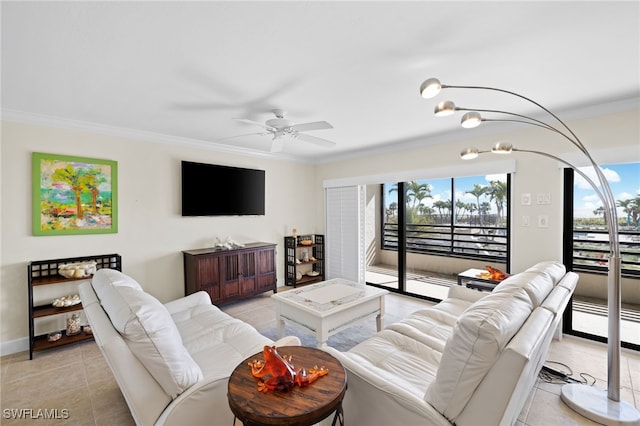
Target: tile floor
(75, 385)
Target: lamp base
(595, 405)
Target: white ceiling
(181, 71)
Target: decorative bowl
(77, 270)
(66, 301)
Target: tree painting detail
(73, 195)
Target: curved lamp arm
(587, 402)
(432, 87)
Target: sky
(624, 180)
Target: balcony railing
(591, 249)
(474, 242)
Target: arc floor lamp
(603, 407)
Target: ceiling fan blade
(277, 144)
(239, 136)
(315, 140)
(255, 123)
(316, 125)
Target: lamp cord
(563, 375)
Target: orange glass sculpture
(493, 274)
(277, 373)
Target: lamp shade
(471, 119)
(502, 148)
(444, 108)
(469, 153)
(430, 88)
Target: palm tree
(631, 207)
(485, 208)
(498, 195)
(443, 205)
(392, 211)
(461, 207)
(600, 211)
(417, 192)
(74, 178)
(478, 191)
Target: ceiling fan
(280, 127)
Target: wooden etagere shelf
(299, 271)
(45, 272)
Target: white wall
(152, 233)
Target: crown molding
(575, 112)
(139, 135)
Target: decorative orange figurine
(493, 274)
(280, 373)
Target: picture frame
(74, 195)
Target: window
(590, 245)
(586, 250)
(463, 217)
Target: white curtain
(344, 227)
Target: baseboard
(13, 346)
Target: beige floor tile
(21, 367)
(548, 409)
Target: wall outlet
(526, 199)
(543, 221)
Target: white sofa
(472, 359)
(172, 361)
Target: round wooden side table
(300, 406)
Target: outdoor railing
(474, 242)
(591, 248)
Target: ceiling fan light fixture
(279, 127)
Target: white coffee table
(472, 278)
(328, 307)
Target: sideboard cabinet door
(230, 275)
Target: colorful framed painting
(74, 195)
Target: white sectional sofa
(172, 361)
(472, 359)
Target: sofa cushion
(536, 286)
(150, 333)
(397, 359)
(537, 281)
(478, 338)
(105, 278)
(555, 270)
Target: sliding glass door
(423, 221)
(586, 250)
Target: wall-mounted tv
(216, 190)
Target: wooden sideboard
(231, 275)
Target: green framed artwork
(74, 195)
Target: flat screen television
(216, 190)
